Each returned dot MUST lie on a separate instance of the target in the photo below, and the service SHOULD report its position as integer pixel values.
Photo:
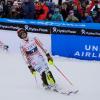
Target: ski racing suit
(33, 56)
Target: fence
(75, 40)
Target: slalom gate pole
(63, 74)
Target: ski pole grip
(50, 60)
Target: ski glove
(32, 70)
(49, 58)
(34, 73)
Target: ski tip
(72, 92)
(76, 91)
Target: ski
(61, 90)
(75, 92)
(66, 92)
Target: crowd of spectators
(84, 11)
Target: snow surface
(17, 83)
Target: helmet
(21, 33)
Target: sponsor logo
(89, 51)
(9, 27)
(90, 32)
(36, 29)
(27, 27)
(62, 30)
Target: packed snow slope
(17, 83)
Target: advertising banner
(73, 46)
(82, 43)
(30, 26)
(75, 40)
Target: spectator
(94, 15)
(41, 11)
(64, 10)
(28, 9)
(76, 13)
(87, 18)
(83, 6)
(1, 9)
(7, 9)
(97, 19)
(51, 7)
(45, 10)
(71, 17)
(15, 10)
(57, 16)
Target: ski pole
(61, 73)
(35, 80)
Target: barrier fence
(75, 40)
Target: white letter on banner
(99, 55)
(87, 47)
(88, 54)
(82, 54)
(77, 53)
(93, 55)
(95, 48)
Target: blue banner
(75, 46)
(51, 23)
